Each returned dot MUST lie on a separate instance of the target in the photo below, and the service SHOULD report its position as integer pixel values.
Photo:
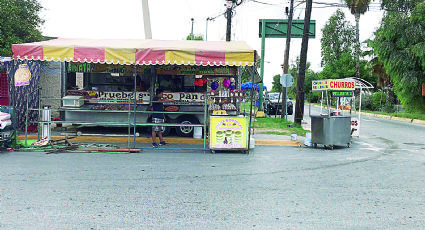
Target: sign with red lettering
(355, 127)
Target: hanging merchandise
(226, 83)
(215, 85)
(232, 86)
(200, 82)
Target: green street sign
(277, 28)
(342, 93)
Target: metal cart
(332, 128)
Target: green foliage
(357, 6)
(343, 67)
(19, 23)
(279, 126)
(196, 37)
(399, 43)
(246, 76)
(378, 99)
(338, 37)
(310, 75)
(367, 103)
(276, 86)
(399, 5)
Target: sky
(171, 20)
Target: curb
(402, 119)
(149, 140)
(416, 121)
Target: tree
(400, 44)
(338, 37)
(343, 67)
(357, 7)
(310, 75)
(19, 23)
(276, 86)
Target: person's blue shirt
(157, 106)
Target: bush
(388, 108)
(366, 102)
(378, 100)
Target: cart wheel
(314, 145)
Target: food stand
(333, 127)
(110, 82)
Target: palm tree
(357, 7)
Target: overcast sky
(171, 20)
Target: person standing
(158, 118)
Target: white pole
(360, 109)
(146, 20)
(206, 30)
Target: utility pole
(191, 32)
(229, 19)
(206, 30)
(299, 104)
(286, 57)
(146, 19)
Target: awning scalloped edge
(175, 62)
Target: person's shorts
(157, 127)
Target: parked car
(273, 104)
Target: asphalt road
(378, 183)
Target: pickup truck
(273, 104)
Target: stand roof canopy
(139, 52)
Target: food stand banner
(340, 85)
(139, 52)
(107, 97)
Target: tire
(269, 112)
(290, 110)
(186, 131)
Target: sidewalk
(260, 139)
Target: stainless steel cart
(331, 130)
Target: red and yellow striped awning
(139, 52)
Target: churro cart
(333, 127)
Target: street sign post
(286, 80)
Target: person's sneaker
(154, 145)
(162, 143)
